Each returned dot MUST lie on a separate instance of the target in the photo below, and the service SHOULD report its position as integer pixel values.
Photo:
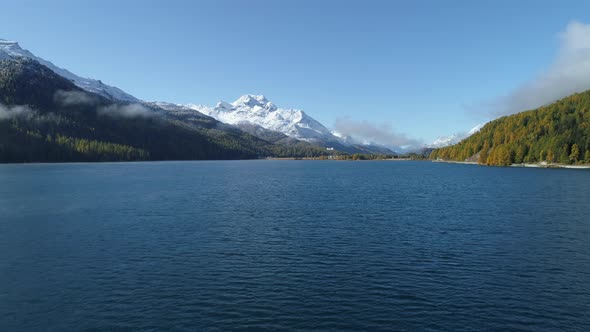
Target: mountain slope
(559, 132)
(12, 50)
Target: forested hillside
(46, 118)
(557, 133)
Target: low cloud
(383, 134)
(11, 112)
(569, 73)
(72, 98)
(126, 111)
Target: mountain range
(252, 114)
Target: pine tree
(550, 156)
(575, 154)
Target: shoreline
(337, 159)
(541, 165)
(522, 165)
(200, 160)
(456, 162)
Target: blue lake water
(293, 245)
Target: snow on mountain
(11, 49)
(257, 110)
(441, 142)
(453, 139)
(343, 138)
(176, 110)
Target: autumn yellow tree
(575, 154)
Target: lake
(293, 245)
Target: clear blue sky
(414, 64)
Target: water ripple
(282, 246)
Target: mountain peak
(259, 111)
(251, 101)
(4, 42)
(11, 49)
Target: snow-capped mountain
(257, 110)
(453, 139)
(11, 49)
(441, 142)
